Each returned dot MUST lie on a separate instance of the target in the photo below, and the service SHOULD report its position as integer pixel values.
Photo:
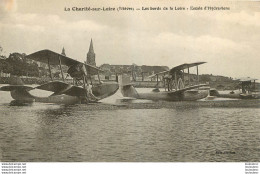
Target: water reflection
(20, 103)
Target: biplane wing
(177, 68)
(16, 87)
(52, 58)
(56, 86)
(184, 66)
(59, 88)
(62, 88)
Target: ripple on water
(47, 132)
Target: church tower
(91, 56)
(63, 52)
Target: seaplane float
(175, 88)
(81, 91)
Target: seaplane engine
(77, 71)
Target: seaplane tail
(126, 87)
(18, 90)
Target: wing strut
(61, 70)
(175, 81)
(50, 68)
(157, 80)
(99, 78)
(90, 80)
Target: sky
(229, 41)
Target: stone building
(137, 73)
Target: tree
(5, 66)
(205, 78)
(21, 66)
(1, 49)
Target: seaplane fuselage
(188, 95)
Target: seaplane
(247, 90)
(82, 90)
(174, 84)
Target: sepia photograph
(129, 81)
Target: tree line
(17, 64)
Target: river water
(83, 133)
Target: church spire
(91, 49)
(91, 56)
(63, 52)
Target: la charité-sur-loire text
(176, 8)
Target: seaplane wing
(15, 87)
(187, 88)
(177, 68)
(55, 86)
(52, 58)
(62, 88)
(185, 66)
